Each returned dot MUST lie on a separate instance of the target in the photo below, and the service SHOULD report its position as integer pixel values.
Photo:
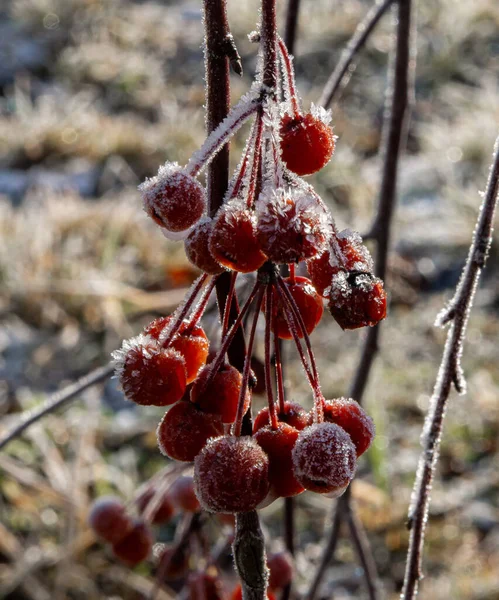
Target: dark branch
(249, 556)
(292, 12)
(56, 401)
(449, 374)
(363, 31)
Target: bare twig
(249, 556)
(363, 31)
(393, 132)
(292, 13)
(450, 374)
(56, 401)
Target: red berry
(174, 562)
(291, 225)
(205, 586)
(109, 519)
(357, 300)
(183, 494)
(221, 395)
(324, 459)
(148, 374)
(281, 569)
(353, 256)
(237, 594)
(159, 506)
(174, 199)
(294, 415)
(231, 475)
(190, 341)
(307, 143)
(348, 414)
(197, 247)
(278, 445)
(135, 546)
(233, 240)
(184, 430)
(309, 304)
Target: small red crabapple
(357, 300)
(354, 256)
(163, 507)
(136, 546)
(231, 474)
(281, 569)
(324, 459)
(173, 199)
(278, 445)
(221, 395)
(309, 304)
(148, 374)
(307, 143)
(294, 415)
(184, 430)
(183, 494)
(291, 225)
(190, 341)
(109, 520)
(348, 414)
(197, 248)
(233, 241)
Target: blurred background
(93, 97)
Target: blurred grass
(119, 91)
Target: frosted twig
(363, 31)
(56, 401)
(450, 373)
(393, 130)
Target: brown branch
(249, 556)
(449, 374)
(393, 134)
(56, 401)
(363, 31)
(290, 30)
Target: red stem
(288, 67)
(292, 273)
(202, 304)
(255, 167)
(228, 303)
(278, 370)
(274, 421)
(242, 171)
(247, 365)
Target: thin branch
(56, 401)
(292, 12)
(289, 536)
(363, 31)
(393, 132)
(449, 374)
(249, 556)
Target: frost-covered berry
(278, 445)
(294, 414)
(291, 225)
(357, 300)
(308, 302)
(205, 586)
(350, 255)
(233, 241)
(348, 414)
(173, 199)
(148, 374)
(109, 520)
(231, 474)
(307, 143)
(281, 567)
(136, 546)
(161, 507)
(221, 395)
(183, 494)
(324, 459)
(190, 341)
(197, 247)
(184, 430)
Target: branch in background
(289, 538)
(449, 374)
(393, 134)
(363, 31)
(56, 401)
(292, 13)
